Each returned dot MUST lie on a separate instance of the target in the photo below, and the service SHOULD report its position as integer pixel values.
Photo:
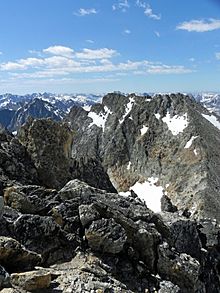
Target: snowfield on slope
(149, 192)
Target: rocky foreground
(65, 228)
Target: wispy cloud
(122, 5)
(103, 53)
(200, 26)
(148, 11)
(217, 55)
(127, 31)
(90, 41)
(192, 59)
(157, 34)
(84, 12)
(59, 50)
(1, 52)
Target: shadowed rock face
(135, 138)
(15, 162)
(49, 145)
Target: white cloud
(217, 55)
(157, 34)
(148, 10)
(90, 41)
(59, 50)
(200, 26)
(166, 69)
(141, 4)
(192, 59)
(127, 32)
(122, 5)
(85, 61)
(1, 52)
(103, 53)
(84, 12)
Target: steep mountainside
(166, 145)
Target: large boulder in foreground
(49, 145)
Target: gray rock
(106, 235)
(88, 214)
(1, 206)
(181, 269)
(168, 287)
(4, 278)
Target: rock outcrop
(49, 145)
(15, 162)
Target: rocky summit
(124, 197)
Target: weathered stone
(43, 235)
(181, 269)
(87, 214)
(15, 257)
(168, 287)
(106, 235)
(30, 199)
(32, 280)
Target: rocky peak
(165, 141)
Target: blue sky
(106, 45)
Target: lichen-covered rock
(30, 199)
(49, 145)
(43, 235)
(106, 235)
(30, 281)
(87, 214)
(181, 269)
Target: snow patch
(212, 119)
(99, 119)
(144, 130)
(87, 108)
(189, 143)
(157, 115)
(195, 152)
(127, 109)
(148, 192)
(129, 165)
(176, 124)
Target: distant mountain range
(15, 109)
